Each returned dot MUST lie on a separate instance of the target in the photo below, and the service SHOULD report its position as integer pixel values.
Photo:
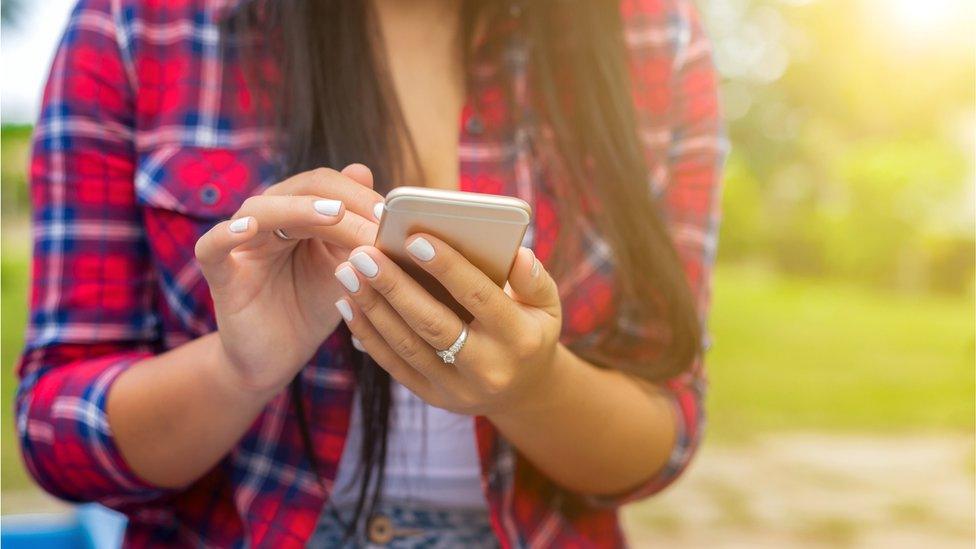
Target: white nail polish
(421, 249)
(344, 309)
(378, 210)
(364, 264)
(240, 225)
(327, 207)
(347, 277)
(358, 344)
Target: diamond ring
(447, 355)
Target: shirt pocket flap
(205, 183)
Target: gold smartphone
(487, 229)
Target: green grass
(800, 354)
(787, 355)
(13, 316)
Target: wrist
(546, 391)
(227, 379)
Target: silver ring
(280, 233)
(447, 355)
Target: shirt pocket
(183, 192)
(203, 183)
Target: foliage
(13, 170)
(851, 142)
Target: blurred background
(841, 410)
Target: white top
(432, 456)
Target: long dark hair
(335, 105)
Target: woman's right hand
(273, 298)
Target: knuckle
(495, 382)
(480, 295)
(405, 347)
(367, 305)
(430, 326)
(249, 204)
(364, 233)
(200, 251)
(388, 286)
(323, 174)
(528, 344)
(277, 188)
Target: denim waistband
(406, 524)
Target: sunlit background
(841, 410)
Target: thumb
(531, 285)
(359, 173)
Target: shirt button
(209, 195)
(380, 529)
(474, 125)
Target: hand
(272, 297)
(511, 342)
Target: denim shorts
(402, 525)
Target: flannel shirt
(148, 136)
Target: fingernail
(348, 278)
(378, 210)
(364, 264)
(240, 225)
(327, 207)
(421, 249)
(344, 309)
(535, 268)
(358, 344)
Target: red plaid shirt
(148, 136)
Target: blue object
(90, 526)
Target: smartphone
(486, 229)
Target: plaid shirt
(148, 136)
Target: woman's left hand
(511, 344)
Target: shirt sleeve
(686, 160)
(91, 304)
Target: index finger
(328, 183)
(466, 283)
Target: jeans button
(380, 529)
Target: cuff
(686, 399)
(66, 438)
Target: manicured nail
(347, 277)
(358, 344)
(344, 309)
(240, 225)
(378, 211)
(421, 249)
(327, 207)
(364, 264)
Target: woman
(217, 350)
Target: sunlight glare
(927, 18)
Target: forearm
(592, 430)
(174, 416)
